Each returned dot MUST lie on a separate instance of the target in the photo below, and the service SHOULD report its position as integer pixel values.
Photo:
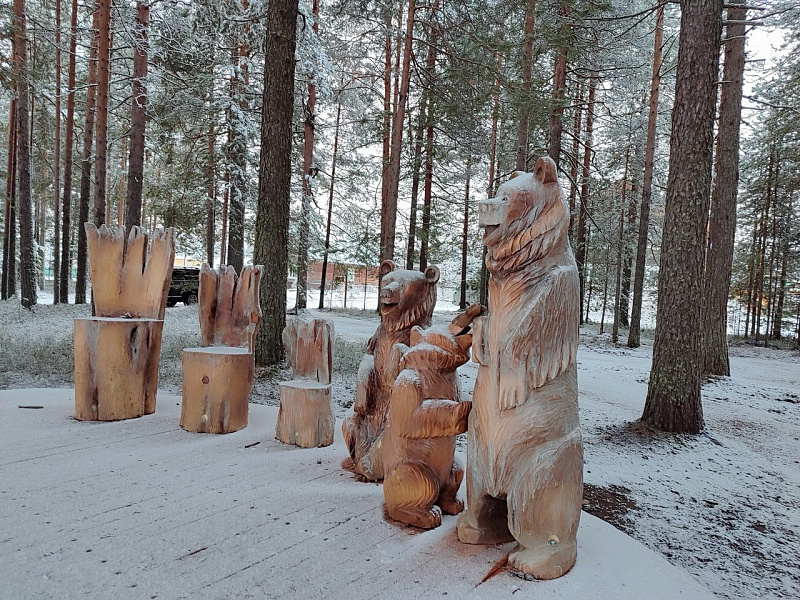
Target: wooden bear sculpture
(425, 415)
(525, 455)
(406, 300)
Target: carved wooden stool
(217, 377)
(116, 353)
(305, 417)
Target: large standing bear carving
(525, 454)
(407, 299)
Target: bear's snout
(492, 211)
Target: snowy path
(142, 509)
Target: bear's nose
(492, 211)
(388, 289)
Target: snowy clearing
(724, 505)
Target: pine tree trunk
(491, 187)
(750, 282)
(527, 71)
(582, 237)
(778, 322)
(27, 267)
(620, 243)
(57, 164)
(673, 394)
(634, 333)
(274, 176)
(330, 207)
(133, 197)
(427, 200)
(417, 167)
(771, 279)
(308, 172)
(389, 209)
(66, 263)
(238, 154)
(574, 162)
(86, 162)
(722, 223)
(772, 178)
(462, 303)
(211, 195)
(627, 259)
(559, 86)
(386, 136)
(9, 279)
(101, 145)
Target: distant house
(336, 275)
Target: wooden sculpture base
(305, 417)
(216, 387)
(116, 367)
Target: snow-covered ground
(724, 505)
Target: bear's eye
(518, 206)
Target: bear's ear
(545, 170)
(387, 266)
(432, 274)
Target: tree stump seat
(116, 367)
(218, 376)
(216, 388)
(305, 417)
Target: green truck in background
(184, 286)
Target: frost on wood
(228, 306)
(425, 415)
(305, 417)
(116, 367)
(116, 354)
(407, 299)
(217, 377)
(130, 274)
(309, 346)
(525, 454)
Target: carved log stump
(216, 388)
(305, 417)
(116, 367)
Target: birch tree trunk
(673, 394)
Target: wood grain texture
(407, 299)
(525, 454)
(425, 415)
(228, 305)
(116, 367)
(216, 388)
(130, 274)
(305, 417)
(217, 378)
(309, 346)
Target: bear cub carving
(425, 415)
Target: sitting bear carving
(425, 415)
(407, 299)
(525, 454)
